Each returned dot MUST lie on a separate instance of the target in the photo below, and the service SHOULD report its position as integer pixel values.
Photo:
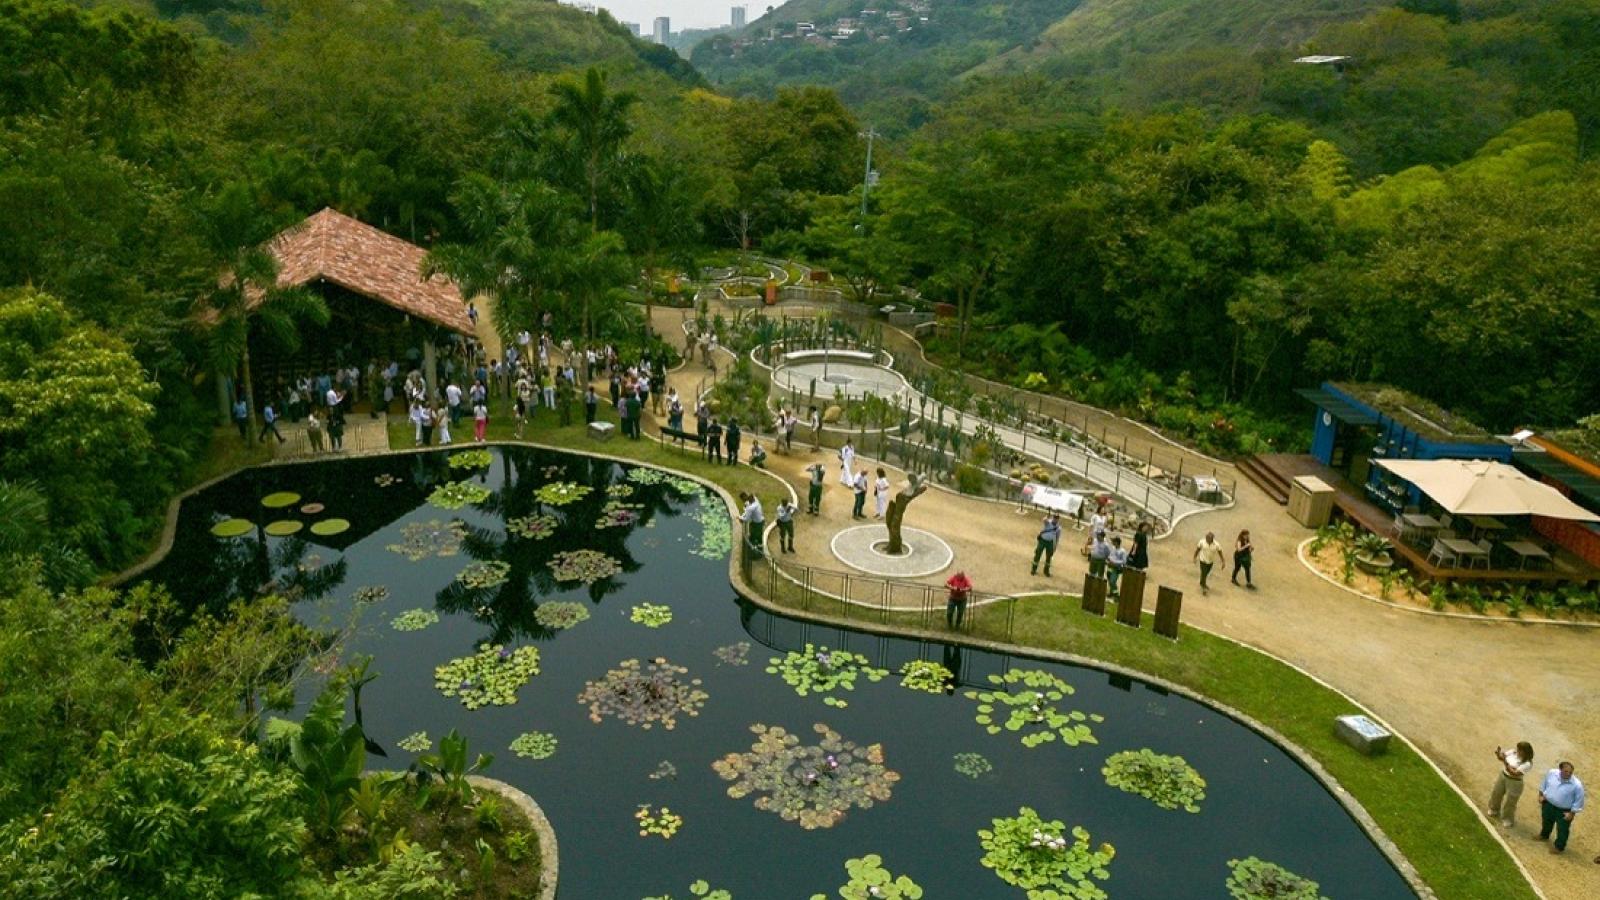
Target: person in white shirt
(1514, 767)
(452, 397)
(754, 519)
(847, 464)
(1208, 553)
(880, 494)
(1116, 561)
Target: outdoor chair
(1398, 527)
(1441, 556)
(1445, 521)
(1488, 553)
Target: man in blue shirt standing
(1560, 799)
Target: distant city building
(632, 26)
(663, 29)
(736, 17)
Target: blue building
(1359, 423)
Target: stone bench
(602, 431)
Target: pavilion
(381, 307)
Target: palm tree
(516, 247)
(596, 122)
(248, 294)
(660, 217)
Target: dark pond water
(1259, 802)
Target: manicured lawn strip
(1411, 802)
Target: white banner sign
(1061, 501)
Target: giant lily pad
(311, 509)
(228, 528)
(330, 527)
(280, 500)
(284, 527)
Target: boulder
(832, 414)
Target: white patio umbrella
(1476, 487)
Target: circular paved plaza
(864, 548)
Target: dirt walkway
(1456, 688)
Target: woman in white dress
(847, 464)
(880, 493)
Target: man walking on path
(785, 518)
(314, 431)
(819, 474)
(860, 487)
(1242, 549)
(591, 405)
(1045, 545)
(241, 418)
(1560, 801)
(1115, 563)
(816, 429)
(269, 424)
(1209, 554)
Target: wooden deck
(1351, 504)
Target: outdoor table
(1465, 550)
(1422, 523)
(1481, 524)
(1526, 550)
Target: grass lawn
(1411, 802)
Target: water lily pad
(311, 509)
(644, 695)
(534, 745)
(285, 527)
(489, 677)
(812, 784)
(328, 527)
(280, 500)
(228, 528)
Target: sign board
(1362, 733)
(1064, 502)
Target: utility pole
(866, 178)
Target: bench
(680, 436)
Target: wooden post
(1094, 594)
(1169, 602)
(1132, 584)
(1129, 606)
(428, 367)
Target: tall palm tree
(248, 294)
(595, 120)
(661, 219)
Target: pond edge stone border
(549, 855)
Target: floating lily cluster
(818, 670)
(813, 784)
(644, 695)
(652, 615)
(973, 765)
(663, 821)
(926, 675)
(420, 540)
(1026, 704)
(385, 480)
(559, 614)
(587, 566)
(457, 494)
(869, 880)
(734, 654)
(616, 514)
(560, 493)
(471, 459)
(372, 593)
(1167, 781)
(482, 575)
(619, 490)
(533, 528)
(1257, 879)
(490, 677)
(416, 742)
(716, 527)
(702, 889)
(1044, 858)
(664, 769)
(534, 745)
(414, 620)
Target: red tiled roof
(331, 246)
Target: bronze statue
(897, 510)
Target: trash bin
(1310, 501)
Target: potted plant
(1372, 554)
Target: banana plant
(449, 767)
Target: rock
(832, 414)
(1362, 733)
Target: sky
(684, 13)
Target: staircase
(1267, 478)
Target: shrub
(970, 479)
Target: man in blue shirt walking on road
(1560, 799)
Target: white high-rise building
(737, 17)
(632, 26)
(663, 29)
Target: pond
(908, 774)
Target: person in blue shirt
(241, 418)
(1045, 545)
(269, 424)
(1560, 801)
